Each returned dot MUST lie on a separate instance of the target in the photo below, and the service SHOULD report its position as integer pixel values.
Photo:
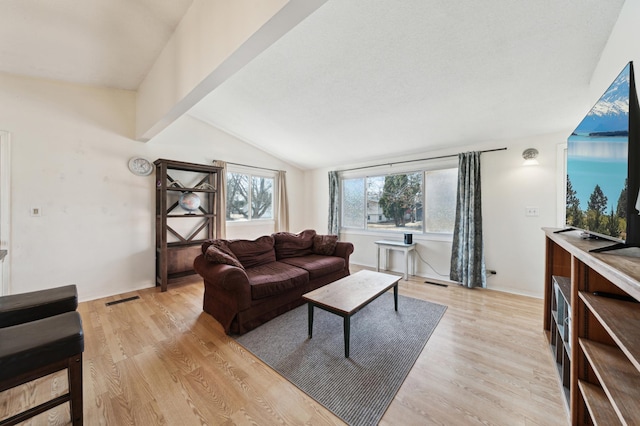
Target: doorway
(5, 211)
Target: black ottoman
(35, 349)
(35, 305)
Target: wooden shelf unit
(559, 333)
(180, 233)
(605, 332)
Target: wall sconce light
(530, 157)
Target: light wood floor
(160, 360)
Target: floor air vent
(128, 299)
(436, 283)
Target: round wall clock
(140, 166)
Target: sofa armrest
(231, 280)
(344, 250)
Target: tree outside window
(261, 197)
(249, 197)
(399, 198)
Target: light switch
(531, 211)
(36, 211)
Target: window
(353, 204)
(441, 187)
(417, 202)
(395, 201)
(249, 197)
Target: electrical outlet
(531, 211)
(36, 211)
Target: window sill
(427, 236)
(255, 222)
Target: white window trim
(383, 170)
(253, 222)
(423, 236)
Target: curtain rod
(253, 167)
(420, 159)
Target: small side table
(407, 249)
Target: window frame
(428, 166)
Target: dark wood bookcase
(180, 231)
(601, 376)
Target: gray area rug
(384, 346)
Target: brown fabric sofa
(247, 283)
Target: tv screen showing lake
(598, 161)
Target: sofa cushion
(253, 253)
(293, 245)
(215, 254)
(317, 265)
(220, 244)
(324, 244)
(275, 278)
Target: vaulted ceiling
(110, 43)
(355, 81)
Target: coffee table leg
(310, 305)
(347, 329)
(395, 296)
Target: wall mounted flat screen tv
(603, 167)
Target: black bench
(35, 305)
(35, 349)
(41, 333)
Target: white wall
(621, 48)
(70, 149)
(514, 243)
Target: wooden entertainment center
(596, 339)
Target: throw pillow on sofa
(215, 254)
(288, 244)
(253, 253)
(324, 244)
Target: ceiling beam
(214, 40)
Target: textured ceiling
(363, 80)
(109, 43)
(358, 80)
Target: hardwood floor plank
(160, 360)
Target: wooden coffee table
(348, 295)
